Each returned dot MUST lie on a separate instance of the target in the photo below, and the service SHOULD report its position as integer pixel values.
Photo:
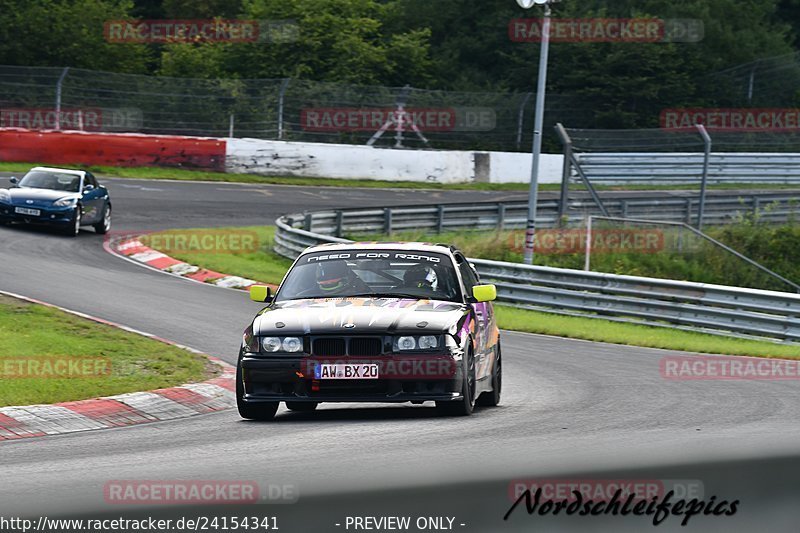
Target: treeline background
(453, 45)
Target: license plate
(346, 371)
(26, 211)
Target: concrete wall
(275, 158)
(279, 158)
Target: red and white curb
(124, 409)
(133, 250)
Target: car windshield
(57, 181)
(380, 273)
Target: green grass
(201, 175)
(267, 267)
(262, 264)
(34, 336)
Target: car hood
(19, 195)
(367, 315)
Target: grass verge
(202, 175)
(49, 356)
(268, 267)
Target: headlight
(65, 202)
(5, 196)
(426, 342)
(292, 344)
(408, 342)
(405, 343)
(271, 344)
(282, 344)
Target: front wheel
(466, 404)
(74, 226)
(260, 411)
(492, 398)
(104, 226)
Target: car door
(94, 198)
(483, 317)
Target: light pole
(530, 229)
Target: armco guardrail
(719, 209)
(688, 167)
(661, 302)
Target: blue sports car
(66, 199)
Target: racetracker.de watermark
(81, 119)
(55, 367)
(349, 119)
(194, 492)
(604, 241)
(200, 30)
(733, 119)
(608, 30)
(202, 241)
(708, 368)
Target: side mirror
(484, 293)
(88, 188)
(261, 293)
(13, 180)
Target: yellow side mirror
(260, 293)
(484, 293)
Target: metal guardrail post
(588, 252)
(387, 220)
(339, 221)
(756, 206)
(281, 97)
(704, 182)
(566, 172)
(501, 216)
(59, 85)
(307, 221)
(439, 218)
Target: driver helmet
(332, 275)
(421, 277)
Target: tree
(67, 33)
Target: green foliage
(67, 33)
(460, 45)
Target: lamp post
(530, 229)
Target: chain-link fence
(284, 109)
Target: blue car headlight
(66, 202)
(5, 196)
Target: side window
(466, 273)
(89, 179)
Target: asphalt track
(570, 408)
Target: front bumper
(47, 215)
(400, 379)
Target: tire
(74, 227)
(104, 226)
(262, 411)
(466, 404)
(302, 407)
(492, 398)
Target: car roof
(61, 170)
(374, 245)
